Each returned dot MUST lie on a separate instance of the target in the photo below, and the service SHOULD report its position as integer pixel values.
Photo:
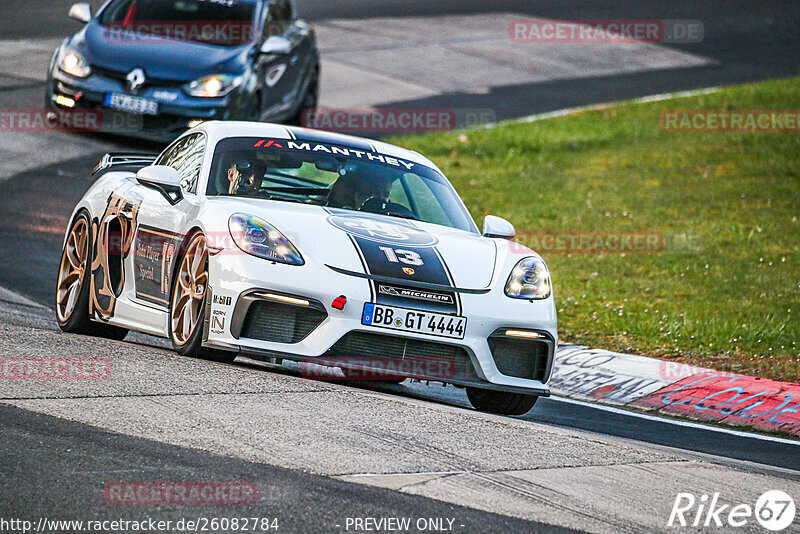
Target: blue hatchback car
(153, 68)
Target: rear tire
(188, 304)
(500, 402)
(74, 283)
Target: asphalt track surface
(69, 489)
(176, 419)
(563, 464)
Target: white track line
(676, 422)
(6, 295)
(592, 107)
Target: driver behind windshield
(353, 189)
(245, 177)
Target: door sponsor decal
(154, 262)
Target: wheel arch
(193, 231)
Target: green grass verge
(725, 290)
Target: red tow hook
(339, 302)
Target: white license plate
(133, 104)
(423, 322)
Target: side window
(186, 157)
(279, 16)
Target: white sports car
(293, 244)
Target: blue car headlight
(214, 85)
(73, 63)
(261, 239)
(530, 280)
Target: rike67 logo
(774, 510)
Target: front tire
(500, 402)
(188, 304)
(74, 283)
(309, 101)
(252, 111)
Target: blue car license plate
(134, 104)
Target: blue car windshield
(217, 22)
(335, 176)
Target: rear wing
(127, 159)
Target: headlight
(73, 63)
(214, 85)
(530, 279)
(261, 239)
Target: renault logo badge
(136, 79)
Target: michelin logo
(415, 294)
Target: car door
(284, 75)
(160, 224)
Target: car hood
(396, 248)
(164, 59)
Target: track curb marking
(602, 376)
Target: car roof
(219, 130)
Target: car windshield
(334, 176)
(218, 22)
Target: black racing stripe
(449, 277)
(416, 285)
(407, 263)
(365, 265)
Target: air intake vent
(446, 361)
(520, 358)
(280, 323)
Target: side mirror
(163, 179)
(498, 227)
(276, 45)
(81, 12)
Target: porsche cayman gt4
(285, 243)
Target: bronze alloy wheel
(72, 270)
(188, 297)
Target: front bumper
(302, 325)
(176, 109)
